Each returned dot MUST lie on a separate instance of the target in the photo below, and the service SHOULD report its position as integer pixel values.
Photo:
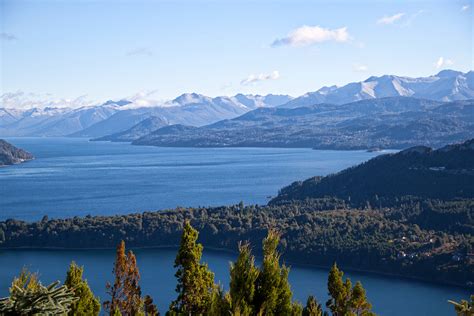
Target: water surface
(72, 177)
(389, 296)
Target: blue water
(76, 177)
(389, 296)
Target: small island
(11, 155)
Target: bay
(76, 177)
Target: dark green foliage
(313, 232)
(312, 308)
(195, 281)
(243, 275)
(87, 303)
(446, 173)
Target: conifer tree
(312, 308)
(339, 292)
(243, 275)
(273, 293)
(87, 303)
(195, 281)
(359, 304)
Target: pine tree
(359, 304)
(273, 293)
(125, 292)
(312, 308)
(87, 304)
(195, 281)
(243, 275)
(26, 280)
(339, 292)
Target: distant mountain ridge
(445, 173)
(117, 116)
(139, 130)
(397, 122)
(10, 155)
(447, 85)
(198, 110)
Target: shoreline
(229, 251)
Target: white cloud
(253, 78)
(143, 51)
(7, 36)
(23, 100)
(465, 7)
(359, 67)
(307, 35)
(390, 19)
(443, 62)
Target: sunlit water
(76, 177)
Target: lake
(389, 296)
(72, 176)
(76, 177)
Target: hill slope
(10, 154)
(398, 122)
(141, 129)
(445, 173)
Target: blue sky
(113, 49)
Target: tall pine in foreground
(312, 308)
(273, 293)
(345, 300)
(195, 281)
(243, 275)
(87, 303)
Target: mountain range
(196, 110)
(117, 116)
(396, 122)
(447, 85)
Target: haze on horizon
(81, 52)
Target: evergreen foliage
(273, 293)
(243, 275)
(312, 308)
(195, 281)
(87, 303)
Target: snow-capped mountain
(447, 85)
(116, 116)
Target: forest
(253, 290)
(420, 238)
